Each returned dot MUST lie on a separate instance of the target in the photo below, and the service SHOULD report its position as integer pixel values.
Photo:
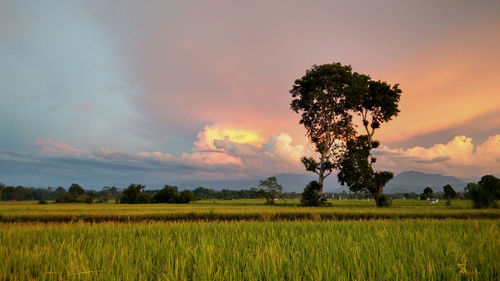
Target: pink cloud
(50, 146)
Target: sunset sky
(113, 92)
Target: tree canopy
(449, 192)
(271, 189)
(328, 98)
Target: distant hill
(290, 182)
(412, 181)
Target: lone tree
(321, 97)
(75, 189)
(328, 97)
(428, 192)
(449, 192)
(271, 189)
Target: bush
(485, 193)
(71, 198)
(384, 201)
(42, 202)
(185, 197)
(166, 195)
(481, 197)
(170, 194)
(310, 196)
(85, 198)
(66, 198)
(133, 195)
(76, 189)
(143, 198)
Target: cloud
(50, 146)
(458, 157)
(229, 153)
(243, 148)
(219, 153)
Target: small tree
(66, 198)
(185, 197)
(133, 195)
(271, 189)
(170, 194)
(449, 193)
(357, 172)
(166, 195)
(75, 189)
(310, 195)
(428, 192)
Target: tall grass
(307, 250)
(235, 210)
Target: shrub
(133, 195)
(42, 202)
(310, 196)
(492, 184)
(384, 201)
(143, 198)
(481, 197)
(76, 189)
(166, 195)
(66, 198)
(485, 193)
(85, 198)
(170, 194)
(185, 197)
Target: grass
(428, 249)
(247, 240)
(228, 210)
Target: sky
(114, 92)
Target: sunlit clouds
(460, 157)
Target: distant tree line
(75, 193)
(484, 194)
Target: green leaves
(271, 189)
(328, 96)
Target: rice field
(247, 240)
(427, 249)
(237, 210)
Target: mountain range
(408, 181)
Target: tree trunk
(377, 194)
(321, 172)
(321, 180)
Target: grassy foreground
(235, 210)
(353, 250)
